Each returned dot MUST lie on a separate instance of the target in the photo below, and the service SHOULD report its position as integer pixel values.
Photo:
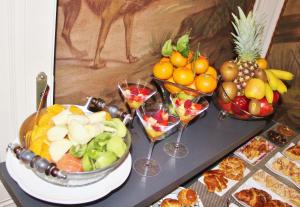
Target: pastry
(255, 148)
(187, 197)
(169, 202)
(215, 180)
(276, 137)
(285, 130)
(293, 152)
(276, 203)
(253, 197)
(233, 168)
(277, 187)
(288, 168)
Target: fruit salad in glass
(136, 94)
(157, 122)
(187, 108)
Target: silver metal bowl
(78, 178)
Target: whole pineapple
(247, 42)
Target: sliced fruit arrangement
(155, 124)
(181, 68)
(249, 88)
(185, 108)
(76, 141)
(136, 96)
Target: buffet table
(208, 140)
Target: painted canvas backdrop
(153, 22)
(285, 53)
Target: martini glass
(187, 110)
(157, 123)
(135, 94)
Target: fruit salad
(76, 141)
(186, 109)
(155, 125)
(136, 95)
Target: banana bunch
(275, 82)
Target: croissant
(169, 202)
(187, 197)
(215, 180)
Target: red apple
(240, 104)
(276, 97)
(225, 106)
(265, 108)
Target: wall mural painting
(100, 42)
(285, 53)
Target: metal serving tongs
(36, 117)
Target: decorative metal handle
(36, 162)
(114, 111)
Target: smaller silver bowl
(78, 178)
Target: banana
(281, 74)
(281, 87)
(269, 93)
(272, 79)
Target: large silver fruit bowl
(78, 178)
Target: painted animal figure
(109, 11)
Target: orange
(211, 71)
(107, 116)
(164, 59)
(171, 88)
(183, 76)
(262, 63)
(46, 119)
(55, 109)
(75, 110)
(201, 65)
(188, 66)
(178, 59)
(205, 83)
(163, 70)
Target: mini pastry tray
(251, 183)
(257, 159)
(231, 183)
(270, 167)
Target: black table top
(208, 140)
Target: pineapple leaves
(248, 35)
(167, 48)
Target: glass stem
(181, 128)
(132, 113)
(149, 153)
